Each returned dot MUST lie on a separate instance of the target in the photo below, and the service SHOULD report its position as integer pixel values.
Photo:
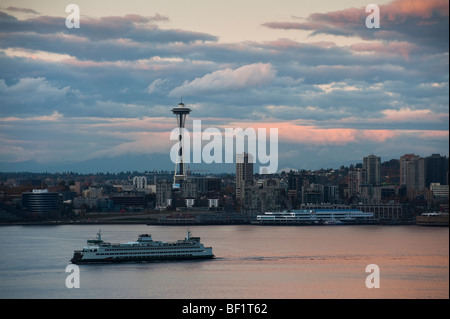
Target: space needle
(181, 113)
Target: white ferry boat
(145, 249)
(314, 216)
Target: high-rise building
(355, 179)
(331, 194)
(436, 168)
(412, 171)
(405, 162)
(372, 165)
(244, 173)
(163, 194)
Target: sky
(98, 98)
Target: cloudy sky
(98, 97)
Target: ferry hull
(112, 260)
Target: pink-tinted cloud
(421, 22)
(397, 11)
(302, 134)
(409, 115)
(402, 9)
(55, 116)
(292, 132)
(394, 48)
(442, 135)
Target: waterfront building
(128, 200)
(258, 199)
(331, 194)
(439, 191)
(41, 202)
(389, 212)
(314, 216)
(314, 194)
(393, 212)
(370, 194)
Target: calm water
(252, 262)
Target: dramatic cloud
(98, 38)
(422, 23)
(35, 136)
(28, 94)
(105, 90)
(393, 48)
(247, 76)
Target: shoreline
(208, 223)
(209, 219)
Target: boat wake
(294, 258)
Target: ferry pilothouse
(145, 249)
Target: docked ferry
(145, 249)
(314, 216)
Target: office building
(244, 173)
(163, 194)
(372, 165)
(436, 168)
(41, 202)
(261, 198)
(412, 172)
(439, 191)
(355, 179)
(128, 200)
(312, 194)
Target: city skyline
(100, 97)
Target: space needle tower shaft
(181, 113)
